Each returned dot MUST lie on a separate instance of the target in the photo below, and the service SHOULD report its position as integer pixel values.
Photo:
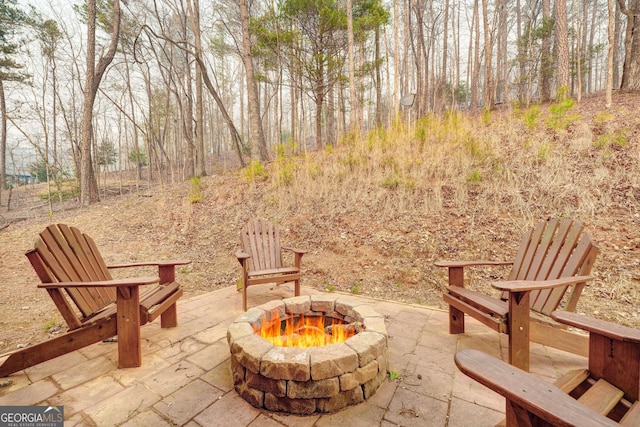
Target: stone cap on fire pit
(313, 379)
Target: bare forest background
(167, 90)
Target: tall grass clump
(474, 176)
(559, 114)
(543, 152)
(530, 116)
(486, 116)
(284, 167)
(195, 191)
(255, 171)
(378, 137)
(312, 168)
(619, 139)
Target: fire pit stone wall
(315, 379)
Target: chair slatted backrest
(553, 249)
(71, 256)
(261, 240)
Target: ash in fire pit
(300, 380)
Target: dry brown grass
(377, 210)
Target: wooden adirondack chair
(604, 394)
(554, 257)
(261, 258)
(93, 304)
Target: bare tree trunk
(488, 59)
(378, 81)
(355, 116)
(611, 35)
(54, 123)
(546, 61)
(445, 53)
(476, 58)
(455, 39)
(520, 55)
(294, 113)
(418, 53)
(396, 61)
(255, 120)
(331, 117)
(136, 143)
(3, 141)
(591, 87)
(278, 110)
(187, 121)
(404, 84)
(562, 48)
(94, 73)
(579, 41)
(199, 139)
(617, 46)
(319, 105)
(342, 108)
(198, 161)
(631, 69)
(502, 66)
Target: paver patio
(185, 377)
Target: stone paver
(462, 412)
(122, 406)
(185, 378)
(83, 372)
(90, 393)
(31, 394)
(56, 365)
(172, 378)
(188, 401)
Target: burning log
(348, 328)
(308, 329)
(295, 339)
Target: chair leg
(297, 288)
(169, 318)
(128, 324)
(519, 329)
(244, 296)
(456, 320)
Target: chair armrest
(167, 263)
(532, 285)
(116, 283)
(166, 269)
(298, 251)
(480, 263)
(456, 269)
(527, 392)
(597, 326)
(297, 255)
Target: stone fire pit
(308, 380)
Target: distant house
(19, 179)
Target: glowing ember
(304, 331)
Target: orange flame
(303, 332)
